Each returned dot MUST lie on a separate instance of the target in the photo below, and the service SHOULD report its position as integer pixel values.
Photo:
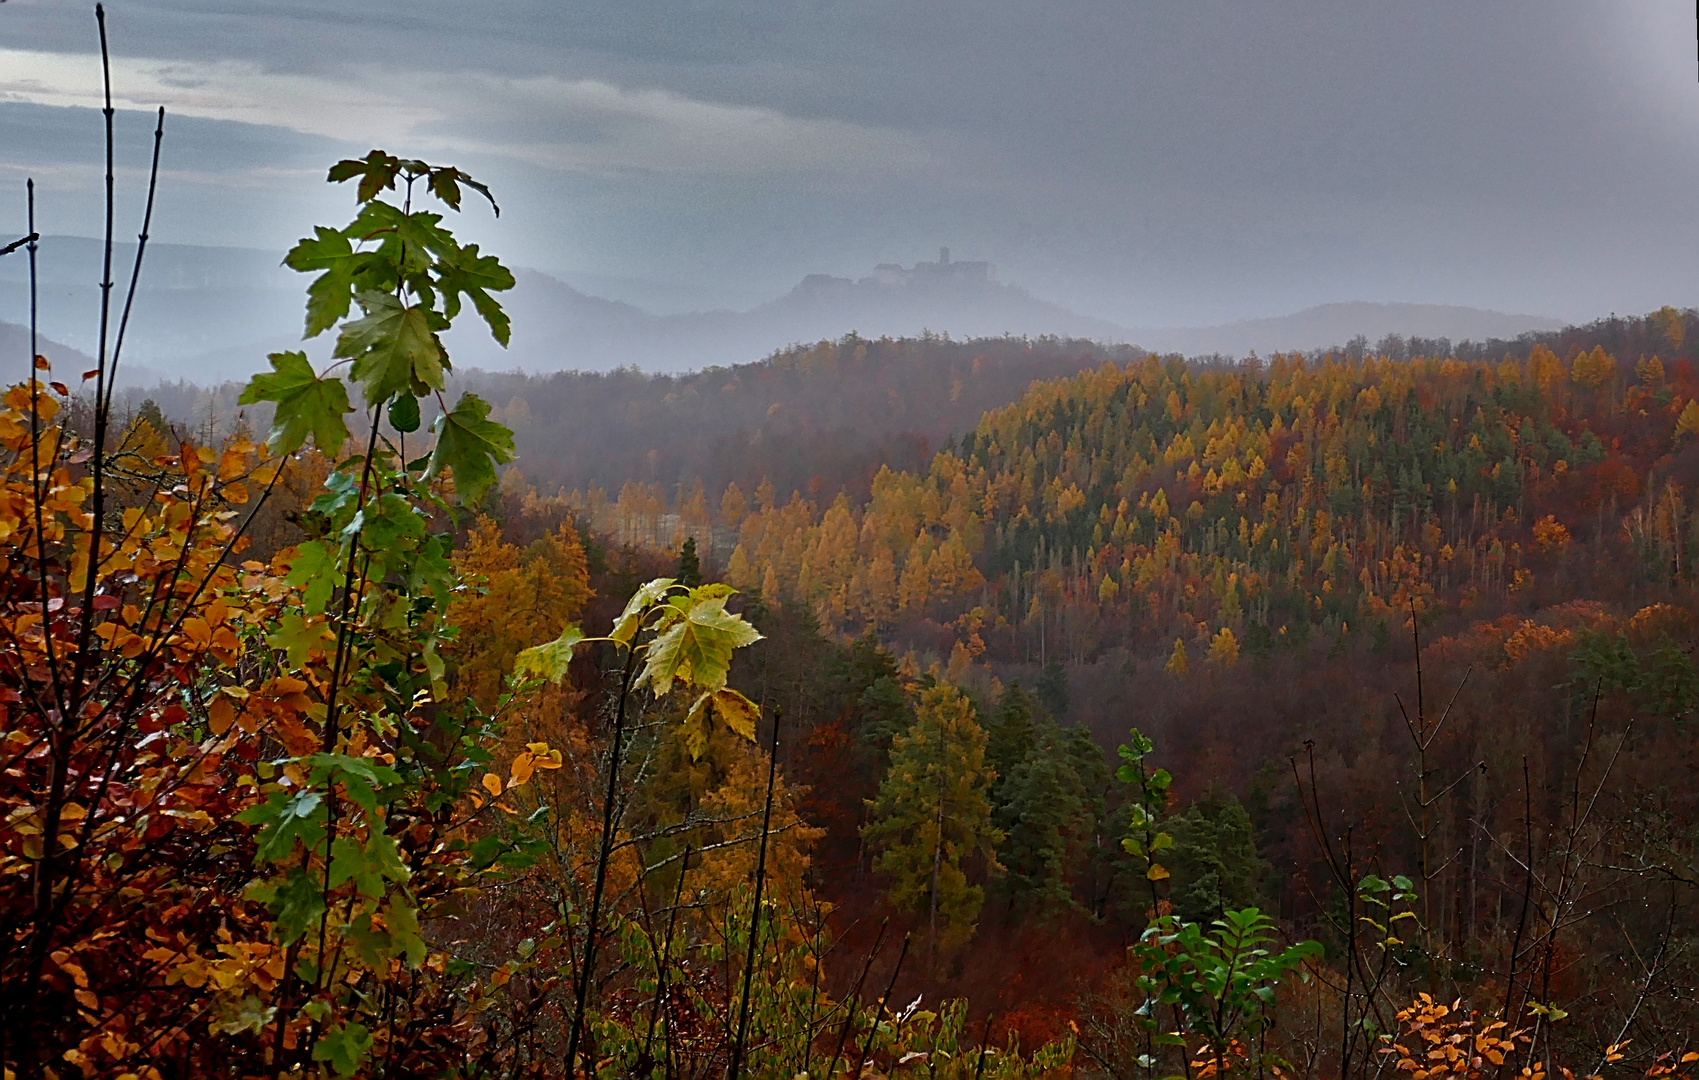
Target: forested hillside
(1156, 500)
(371, 749)
(809, 419)
(1243, 560)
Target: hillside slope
(810, 419)
(1148, 501)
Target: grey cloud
(1145, 160)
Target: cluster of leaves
(408, 275)
(1218, 984)
(1146, 808)
(1443, 1042)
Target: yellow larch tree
(528, 596)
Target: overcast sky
(1154, 162)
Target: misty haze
(1101, 540)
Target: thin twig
(755, 909)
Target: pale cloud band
(578, 125)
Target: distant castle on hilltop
(895, 275)
(929, 272)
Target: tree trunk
(937, 871)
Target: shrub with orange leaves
(1442, 1041)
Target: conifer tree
(1224, 648)
(1013, 733)
(933, 814)
(1041, 808)
(689, 564)
(1177, 662)
(1093, 848)
(1214, 862)
(1053, 688)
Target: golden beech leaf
(1157, 872)
(492, 783)
(220, 714)
(523, 766)
(542, 757)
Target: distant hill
(68, 363)
(817, 418)
(208, 314)
(811, 419)
(556, 327)
(203, 313)
(1332, 325)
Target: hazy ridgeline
(811, 418)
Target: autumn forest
(1013, 707)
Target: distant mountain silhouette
(201, 313)
(208, 314)
(68, 363)
(556, 327)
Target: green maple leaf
(376, 172)
(420, 230)
(406, 244)
(431, 572)
(296, 637)
(348, 863)
(297, 903)
(471, 444)
(366, 865)
(330, 294)
(306, 405)
(385, 522)
(344, 1047)
(394, 348)
(476, 276)
(403, 921)
(373, 945)
(697, 647)
(445, 185)
(315, 566)
(549, 661)
(283, 819)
